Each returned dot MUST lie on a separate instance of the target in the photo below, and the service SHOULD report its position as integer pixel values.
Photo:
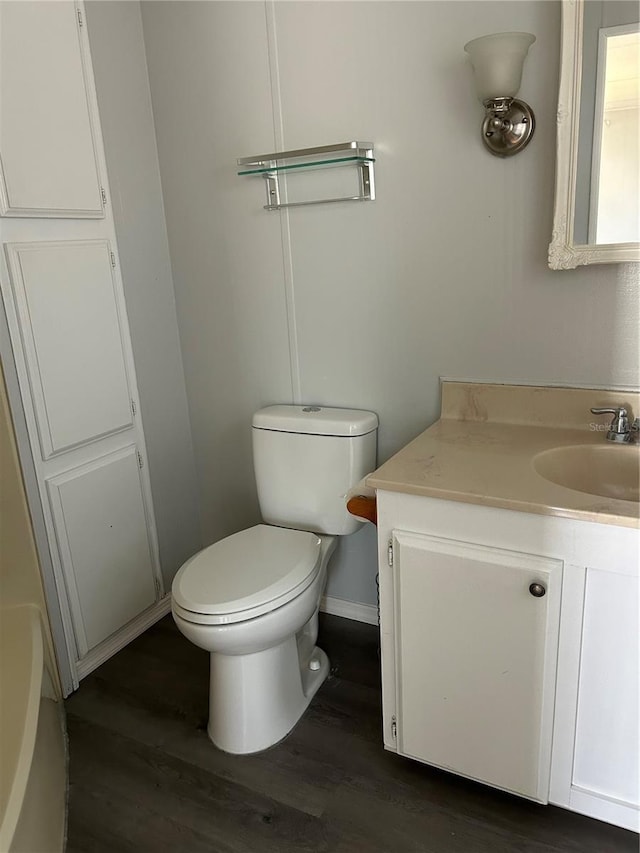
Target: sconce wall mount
(508, 125)
(497, 61)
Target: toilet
(251, 600)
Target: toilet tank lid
(315, 420)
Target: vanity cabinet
(476, 655)
(596, 764)
(533, 694)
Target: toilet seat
(246, 575)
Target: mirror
(597, 201)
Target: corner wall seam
(285, 225)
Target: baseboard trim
(125, 635)
(350, 610)
(601, 807)
(334, 606)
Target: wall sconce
(497, 62)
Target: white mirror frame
(564, 254)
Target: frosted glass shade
(497, 62)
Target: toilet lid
(247, 570)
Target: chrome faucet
(620, 429)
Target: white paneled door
(65, 296)
(47, 133)
(100, 521)
(69, 329)
(64, 301)
(606, 755)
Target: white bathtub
(32, 740)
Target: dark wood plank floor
(145, 778)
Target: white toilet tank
(306, 458)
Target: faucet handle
(619, 428)
(618, 411)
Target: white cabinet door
(475, 659)
(47, 146)
(101, 526)
(606, 761)
(65, 308)
(66, 301)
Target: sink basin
(609, 471)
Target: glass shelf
(270, 166)
(310, 164)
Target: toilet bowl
(252, 599)
(265, 666)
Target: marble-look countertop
(470, 456)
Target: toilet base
(255, 700)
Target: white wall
(362, 305)
(210, 89)
(117, 50)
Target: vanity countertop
(482, 449)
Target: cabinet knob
(537, 590)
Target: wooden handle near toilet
(363, 506)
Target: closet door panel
(48, 155)
(68, 312)
(101, 527)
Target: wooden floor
(144, 776)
